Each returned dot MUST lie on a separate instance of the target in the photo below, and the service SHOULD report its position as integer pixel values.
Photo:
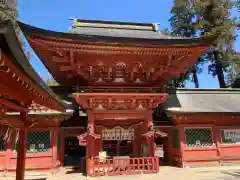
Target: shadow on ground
(76, 170)
(35, 178)
(229, 175)
(232, 173)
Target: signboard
(118, 133)
(232, 135)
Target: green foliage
(9, 11)
(178, 83)
(52, 82)
(183, 25)
(214, 19)
(209, 18)
(181, 21)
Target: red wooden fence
(117, 166)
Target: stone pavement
(169, 173)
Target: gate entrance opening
(118, 147)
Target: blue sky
(54, 15)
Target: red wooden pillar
(62, 146)
(97, 146)
(21, 154)
(169, 145)
(152, 154)
(150, 142)
(148, 145)
(217, 140)
(89, 154)
(136, 142)
(151, 138)
(142, 130)
(54, 147)
(100, 144)
(98, 141)
(90, 144)
(182, 142)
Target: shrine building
(120, 118)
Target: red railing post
(117, 166)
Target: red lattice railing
(124, 165)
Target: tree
(214, 19)
(8, 10)
(182, 25)
(52, 82)
(178, 83)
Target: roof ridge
(115, 25)
(114, 22)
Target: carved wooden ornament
(120, 101)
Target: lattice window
(175, 138)
(198, 137)
(230, 136)
(38, 142)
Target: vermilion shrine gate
(112, 77)
(125, 57)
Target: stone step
(31, 175)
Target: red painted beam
(13, 106)
(14, 122)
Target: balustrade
(124, 165)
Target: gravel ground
(169, 173)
